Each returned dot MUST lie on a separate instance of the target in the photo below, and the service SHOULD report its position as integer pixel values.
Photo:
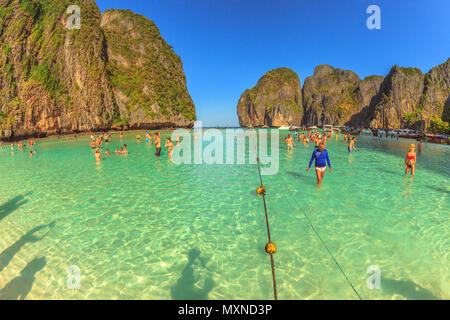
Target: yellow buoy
(271, 248)
(261, 190)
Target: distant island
(405, 98)
(116, 71)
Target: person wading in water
(321, 158)
(158, 144)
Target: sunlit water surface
(138, 227)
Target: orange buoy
(271, 248)
(261, 190)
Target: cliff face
(55, 80)
(331, 96)
(399, 95)
(52, 79)
(409, 98)
(276, 100)
(435, 100)
(406, 98)
(369, 90)
(146, 75)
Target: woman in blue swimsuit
(321, 157)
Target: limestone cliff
(409, 98)
(55, 80)
(52, 79)
(399, 95)
(368, 92)
(276, 100)
(146, 75)
(331, 96)
(405, 98)
(434, 104)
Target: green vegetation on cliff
(43, 75)
(275, 100)
(53, 79)
(271, 83)
(283, 74)
(331, 96)
(437, 125)
(144, 67)
(405, 98)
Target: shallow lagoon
(143, 228)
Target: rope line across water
(272, 262)
(329, 251)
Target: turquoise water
(143, 228)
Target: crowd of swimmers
(155, 139)
(30, 144)
(96, 144)
(98, 140)
(320, 154)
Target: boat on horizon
(437, 138)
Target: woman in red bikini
(410, 160)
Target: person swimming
(107, 153)
(124, 150)
(351, 145)
(321, 159)
(410, 160)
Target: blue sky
(227, 45)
